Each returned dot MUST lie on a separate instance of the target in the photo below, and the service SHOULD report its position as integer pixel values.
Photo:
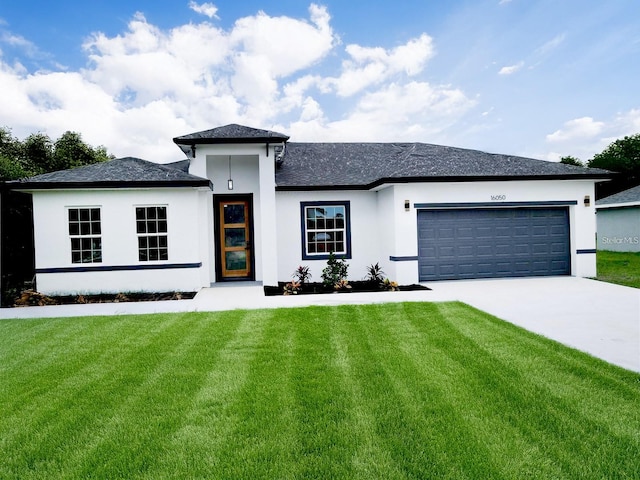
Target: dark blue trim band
(586, 250)
(554, 203)
(118, 268)
(404, 259)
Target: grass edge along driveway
(413, 390)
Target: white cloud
(511, 69)
(19, 42)
(551, 45)
(584, 137)
(584, 127)
(628, 122)
(271, 38)
(372, 65)
(410, 112)
(207, 9)
(146, 85)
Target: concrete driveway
(599, 318)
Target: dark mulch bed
(314, 288)
(30, 298)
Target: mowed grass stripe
(88, 420)
(507, 393)
(412, 403)
(170, 372)
(373, 391)
(264, 443)
(82, 356)
(370, 456)
(211, 416)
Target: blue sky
(535, 78)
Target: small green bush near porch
(622, 268)
(379, 391)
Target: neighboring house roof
(367, 165)
(120, 173)
(627, 198)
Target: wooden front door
(235, 253)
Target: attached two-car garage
(464, 243)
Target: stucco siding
(386, 236)
(619, 229)
(119, 242)
(364, 232)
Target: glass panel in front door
(234, 213)
(235, 237)
(236, 260)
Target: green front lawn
(379, 391)
(622, 268)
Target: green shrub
(335, 271)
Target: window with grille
(325, 229)
(85, 233)
(151, 228)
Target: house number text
(497, 198)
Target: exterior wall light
(407, 206)
(587, 200)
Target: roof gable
(125, 172)
(231, 133)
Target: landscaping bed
(315, 288)
(31, 298)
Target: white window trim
(149, 235)
(80, 236)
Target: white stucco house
(618, 221)
(247, 204)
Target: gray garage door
(493, 242)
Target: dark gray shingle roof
(180, 165)
(122, 172)
(631, 195)
(232, 133)
(366, 165)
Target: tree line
(622, 156)
(38, 153)
(34, 155)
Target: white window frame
(152, 234)
(85, 235)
